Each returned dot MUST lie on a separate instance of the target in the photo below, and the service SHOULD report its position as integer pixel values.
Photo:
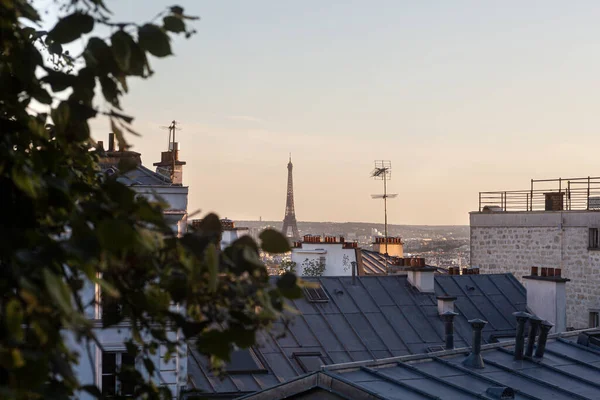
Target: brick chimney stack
(170, 166)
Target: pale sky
(461, 96)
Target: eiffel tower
(289, 221)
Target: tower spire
(289, 220)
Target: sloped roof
(373, 262)
(568, 370)
(145, 177)
(378, 317)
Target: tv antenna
(171, 145)
(383, 171)
(172, 128)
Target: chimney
(448, 318)
(545, 327)
(111, 142)
(534, 324)
(474, 360)
(546, 296)
(445, 303)
(170, 166)
(100, 145)
(522, 318)
(422, 279)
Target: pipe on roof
(534, 325)
(474, 359)
(522, 318)
(545, 327)
(448, 318)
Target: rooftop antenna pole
(171, 145)
(383, 171)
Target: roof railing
(562, 194)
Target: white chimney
(422, 279)
(546, 296)
(445, 304)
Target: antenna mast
(171, 146)
(383, 171)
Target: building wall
(174, 372)
(89, 370)
(514, 242)
(337, 259)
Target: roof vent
(474, 360)
(500, 392)
(316, 295)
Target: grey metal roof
(568, 370)
(143, 176)
(374, 263)
(378, 317)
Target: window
(244, 361)
(594, 239)
(117, 369)
(111, 309)
(594, 319)
(315, 295)
(309, 362)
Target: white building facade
(99, 366)
(334, 256)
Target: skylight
(316, 295)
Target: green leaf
(149, 366)
(55, 48)
(212, 262)
(59, 81)
(41, 95)
(14, 319)
(177, 10)
(25, 181)
(122, 43)
(107, 288)
(173, 24)
(138, 63)
(58, 291)
(209, 226)
(118, 133)
(71, 28)
(115, 235)
(274, 242)
(110, 90)
(154, 40)
(288, 286)
(92, 390)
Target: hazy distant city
(442, 246)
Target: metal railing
(567, 193)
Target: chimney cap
(477, 323)
(449, 314)
(547, 324)
(521, 314)
(547, 278)
(534, 319)
(446, 297)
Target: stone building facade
(516, 241)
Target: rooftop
(569, 369)
(378, 317)
(561, 194)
